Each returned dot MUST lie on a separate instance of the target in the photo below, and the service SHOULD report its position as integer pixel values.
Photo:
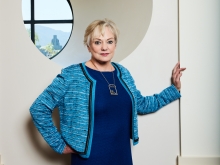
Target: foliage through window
(49, 24)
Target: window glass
(26, 9)
(52, 10)
(52, 38)
(53, 21)
(28, 28)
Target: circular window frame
(32, 22)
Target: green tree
(35, 35)
(49, 50)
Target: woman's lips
(104, 54)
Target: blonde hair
(100, 26)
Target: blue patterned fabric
(73, 91)
(112, 124)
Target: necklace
(112, 87)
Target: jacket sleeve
(150, 104)
(42, 108)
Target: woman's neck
(100, 66)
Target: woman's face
(102, 48)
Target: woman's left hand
(68, 150)
(176, 74)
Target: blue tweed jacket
(73, 91)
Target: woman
(98, 104)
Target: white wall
(25, 73)
(200, 106)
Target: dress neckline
(100, 71)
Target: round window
(49, 24)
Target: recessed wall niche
(132, 18)
(49, 24)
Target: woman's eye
(110, 42)
(97, 42)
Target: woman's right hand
(68, 150)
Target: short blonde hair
(100, 24)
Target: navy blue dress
(112, 124)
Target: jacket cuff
(174, 91)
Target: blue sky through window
(49, 10)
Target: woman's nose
(104, 46)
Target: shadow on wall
(42, 148)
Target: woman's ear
(88, 48)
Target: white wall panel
(151, 64)
(200, 53)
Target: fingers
(176, 74)
(179, 71)
(68, 150)
(182, 69)
(178, 77)
(177, 81)
(175, 68)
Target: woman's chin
(104, 60)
